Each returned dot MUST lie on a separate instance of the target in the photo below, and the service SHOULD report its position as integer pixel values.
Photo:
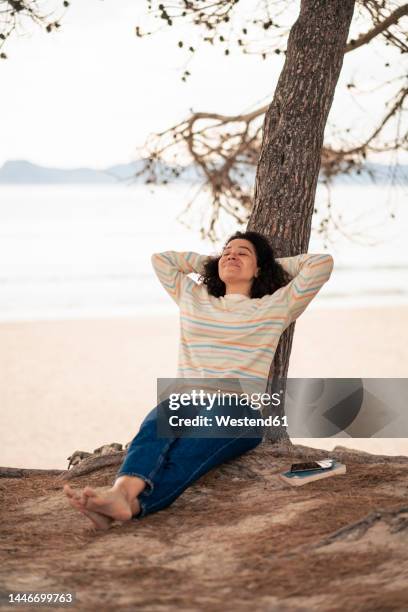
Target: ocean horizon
(79, 252)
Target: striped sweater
(235, 336)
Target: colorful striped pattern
(235, 336)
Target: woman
(230, 325)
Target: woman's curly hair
(271, 275)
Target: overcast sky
(90, 93)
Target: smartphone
(325, 464)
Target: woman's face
(238, 261)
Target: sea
(73, 251)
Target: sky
(90, 93)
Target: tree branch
(378, 29)
(225, 148)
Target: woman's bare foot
(113, 503)
(99, 521)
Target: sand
(238, 539)
(77, 384)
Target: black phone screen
(303, 467)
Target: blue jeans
(170, 465)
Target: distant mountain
(21, 172)
(371, 174)
(24, 172)
(375, 174)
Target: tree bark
(396, 520)
(10, 472)
(293, 130)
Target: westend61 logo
(311, 408)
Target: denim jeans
(170, 465)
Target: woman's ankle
(129, 486)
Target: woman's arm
(172, 268)
(309, 273)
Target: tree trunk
(293, 130)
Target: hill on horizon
(23, 172)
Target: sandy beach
(77, 384)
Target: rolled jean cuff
(150, 486)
